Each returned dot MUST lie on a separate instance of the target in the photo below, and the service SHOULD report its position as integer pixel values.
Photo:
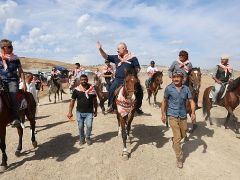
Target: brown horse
(102, 96)
(195, 83)
(230, 101)
(5, 114)
(126, 102)
(154, 86)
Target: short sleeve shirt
(84, 104)
(151, 69)
(175, 67)
(177, 100)
(10, 74)
(120, 69)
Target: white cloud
(7, 9)
(82, 20)
(12, 26)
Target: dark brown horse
(195, 83)
(126, 102)
(55, 86)
(102, 96)
(154, 86)
(230, 101)
(5, 114)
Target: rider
(151, 70)
(222, 74)
(9, 65)
(124, 60)
(55, 73)
(182, 64)
(108, 73)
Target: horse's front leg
(155, 98)
(49, 94)
(3, 165)
(55, 98)
(125, 153)
(33, 126)
(119, 125)
(236, 125)
(129, 126)
(227, 119)
(20, 135)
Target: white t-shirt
(151, 69)
(30, 88)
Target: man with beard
(174, 106)
(86, 108)
(123, 61)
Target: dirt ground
(211, 153)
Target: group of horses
(230, 101)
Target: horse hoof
(238, 135)
(125, 156)
(3, 168)
(35, 144)
(18, 153)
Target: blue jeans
(87, 119)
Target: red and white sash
(88, 91)
(125, 59)
(183, 65)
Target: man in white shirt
(151, 70)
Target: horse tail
(205, 100)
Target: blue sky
(152, 29)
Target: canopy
(60, 68)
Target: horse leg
(129, 127)
(236, 126)
(227, 119)
(49, 94)
(125, 153)
(3, 165)
(55, 97)
(20, 135)
(33, 125)
(155, 99)
(102, 106)
(119, 125)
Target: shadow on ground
(60, 148)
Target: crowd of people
(175, 94)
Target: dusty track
(211, 153)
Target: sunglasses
(6, 47)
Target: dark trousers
(118, 82)
(12, 87)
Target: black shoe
(89, 141)
(82, 142)
(139, 111)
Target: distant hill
(35, 63)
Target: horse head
(195, 79)
(130, 83)
(157, 77)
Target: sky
(152, 29)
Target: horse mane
(131, 72)
(195, 69)
(236, 83)
(156, 74)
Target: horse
(55, 86)
(102, 96)
(195, 83)
(5, 114)
(230, 101)
(154, 86)
(125, 102)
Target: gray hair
(124, 44)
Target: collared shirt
(175, 67)
(177, 100)
(120, 69)
(10, 74)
